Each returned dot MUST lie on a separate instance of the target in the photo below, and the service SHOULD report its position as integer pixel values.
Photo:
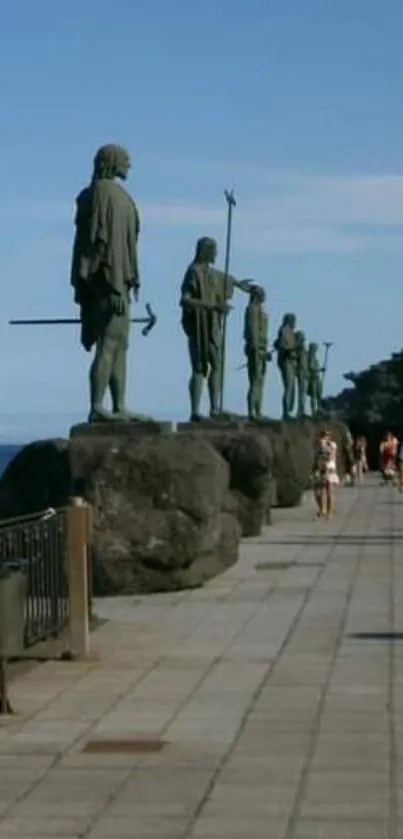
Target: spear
(149, 321)
(231, 203)
(327, 345)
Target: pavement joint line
(171, 720)
(301, 788)
(290, 632)
(393, 756)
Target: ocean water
(7, 452)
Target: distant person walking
(400, 467)
(388, 451)
(347, 457)
(360, 458)
(325, 477)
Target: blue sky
(298, 105)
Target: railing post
(78, 537)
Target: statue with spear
(316, 375)
(104, 277)
(205, 295)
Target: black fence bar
(39, 545)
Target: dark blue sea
(7, 452)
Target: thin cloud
(277, 212)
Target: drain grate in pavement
(274, 566)
(123, 746)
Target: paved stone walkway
(278, 690)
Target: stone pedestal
(138, 428)
(249, 458)
(209, 425)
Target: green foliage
(376, 396)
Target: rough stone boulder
(249, 457)
(293, 445)
(158, 505)
(291, 448)
(37, 477)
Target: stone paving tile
(339, 829)
(41, 827)
(228, 826)
(252, 801)
(120, 828)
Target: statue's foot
(123, 415)
(217, 416)
(100, 415)
(196, 418)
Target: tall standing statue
(285, 345)
(104, 275)
(302, 371)
(314, 389)
(256, 327)
(204, 300)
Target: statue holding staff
(285, 345)
(301, 354)
(315, 371)
(205, 296)
(256, 328)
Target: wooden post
(79, 532)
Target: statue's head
(290, 320)
(206, 250)
(313, 349)
(111, 161)
(257, 294)
(300, 338)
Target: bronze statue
(204, 300)
(314, 389)
(104, 275)
(302, 371)
(256, 325)
(285, 345)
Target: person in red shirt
(388, 457)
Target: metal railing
(39, 546)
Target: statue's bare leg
(118, 377)
(195, 391)
(214, 381)
(100, 374)
(259, 395)
(286, 410)
(196, 381)
(301, 400)
(251, 400)
(117, 382)
(214, 384)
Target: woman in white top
(325, 475)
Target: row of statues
(300, 370)
(105, 277)
(205, 296)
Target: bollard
(13, 592)
(79, 534)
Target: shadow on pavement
(377, 636)
(332, 538)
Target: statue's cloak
(104, 251)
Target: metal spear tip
(152, 320)
(229, 197)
